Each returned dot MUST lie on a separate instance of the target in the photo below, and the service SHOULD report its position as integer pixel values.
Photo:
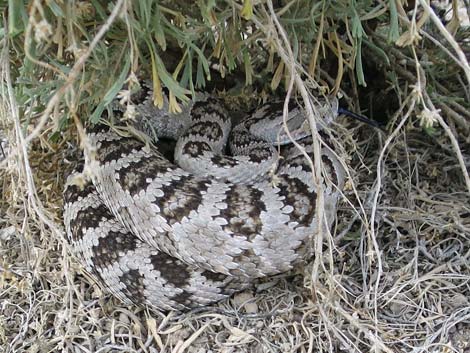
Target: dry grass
(394, 275)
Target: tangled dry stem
(394, 278)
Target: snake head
(327, 110)
(268, 122)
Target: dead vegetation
(393, 276)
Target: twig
(459, 119)
(453, 140)
(74, 72)
(377, 191)
(312, 115)
(463, 62)
(22, 146)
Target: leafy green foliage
(178, 43)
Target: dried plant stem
(453, 140)
(460, 120)
(73, 74)
(22, 147)
(312, 117)
(396, 284)
(378, 186)
(463, 62)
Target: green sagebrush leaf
(17, 17)
(111, 93)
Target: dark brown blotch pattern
(213, 276)
(297, 194)
(298, 161)
(109, 151)
(196, 148)
(209, 106)
(240, 139)
(244, 204)
(171, 269)
(186, 193)
(89, 217)
(135, 287)
(222, 161)
(260, 154)
(112, 247)
(133, 178)
(73, 193)
(183, 298)
(210, 130)
(330, 169)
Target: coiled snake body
(181, 235)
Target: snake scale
(178, 234)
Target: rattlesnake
(177, 237)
